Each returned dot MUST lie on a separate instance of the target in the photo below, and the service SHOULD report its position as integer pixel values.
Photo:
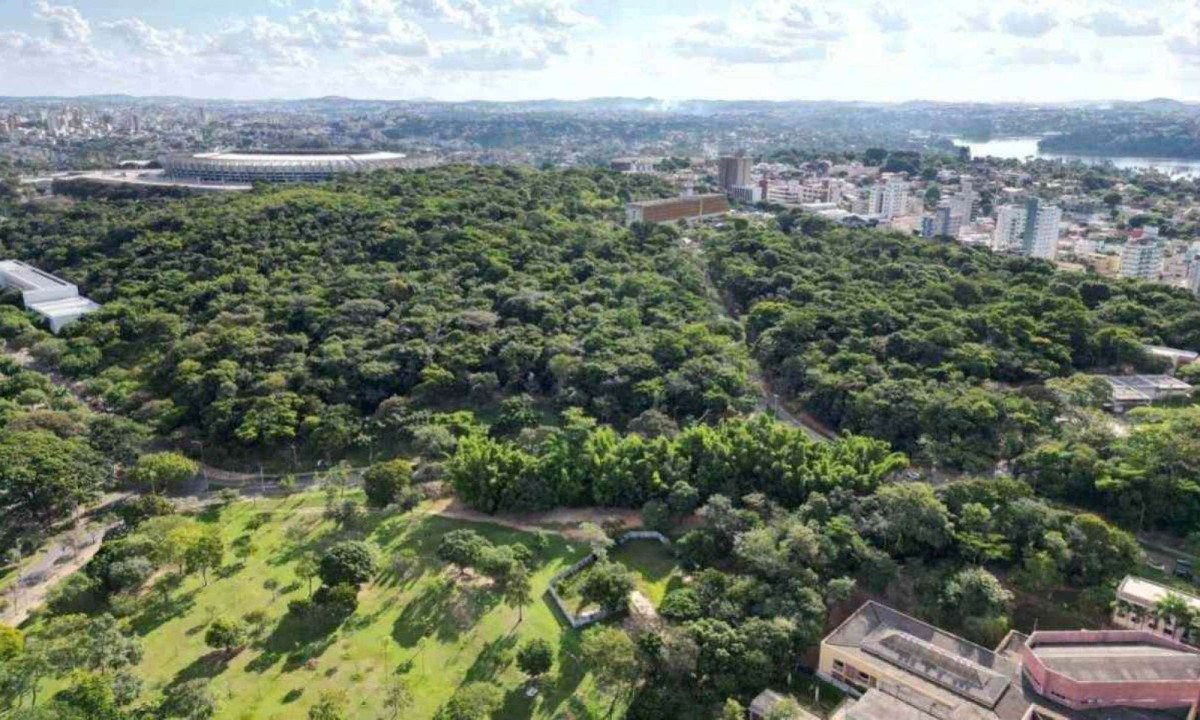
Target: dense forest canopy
(939, 349)
(294, 312)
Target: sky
(949, 50)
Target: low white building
(1134, 609)
(47, 295)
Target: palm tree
(1175, 608)
(518, 591)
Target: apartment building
(690, 208)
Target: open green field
(654, 565)
(428, 627)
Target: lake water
(1021, 148)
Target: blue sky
(1008, 50)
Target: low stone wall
(584, 619)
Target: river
(1021, 148)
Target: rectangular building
(55, 299)
(693, 207)
(1130, 391)
(1142, 259)
(901, 668)
(732, 171)
(1135, 609)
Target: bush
(656, 516)
(681, 605)
(144, 507)
(335, 604)
(608, 584)
(384, 481)
(535, 657)
(474, 701)
(157, 472)
(78, 593)
(348, 563)
(225, 634)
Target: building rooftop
(65, 307)
(299, 156)
(875, 705)
(669, 201)
(1147, 592)
(1181, 356)
(1143, 387)
(26, 277)
(1119, 662)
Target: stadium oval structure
(279, 165)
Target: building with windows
(732, 171)
(749, 194)
(1142, 259)
(889, 198)
(55, 299)
(1135, 606)
(1031, 229)
(690, 208)
(1040, 238)
(903, 669)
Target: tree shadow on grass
(562, 687)
(495, 657)
(161, 608)
(295, 640)
(205, 667)
(443, 611)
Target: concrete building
(1010, 223)
(690, 208)
(1194, 275)
(942, 223)
(1142, 259)
(1040, 238)
(905, 669)
(1130, 391)
(1135, 609)
(732, 171)
(749, 194)
(1178, 358)
(889, 198)
(633, 165)
(1031, 229)
(55, 299)
(768, 701)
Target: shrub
(384, 481)
(351, 563)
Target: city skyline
(454, 50)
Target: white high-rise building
(1194, 274)
(1142, 259)
(1030, 230)
(1010, 223)
(1040, 239)
(889, 198)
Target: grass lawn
(655, 567)
(426, 627)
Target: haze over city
(870, 50)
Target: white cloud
(139, 36)
(490, 57)
(66, 24)
(552, 14)
(748, 54)
(1111, 22)
(1037, 55)
(468, 14)
(979, 21)
(801, 21)
(888, 19)
(1028, 22)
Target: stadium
(280, 165)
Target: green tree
(916, 520)
(384, 481)
(188, 700)
(351, 562)
(474, 701)
(518, 590)
(162, 471)
(206, 553)
(732, 710)
(608, 584)
(45, 477)
(535, 657)
(612, 659)
(226, 634)
(331, 705)
(12, 641)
